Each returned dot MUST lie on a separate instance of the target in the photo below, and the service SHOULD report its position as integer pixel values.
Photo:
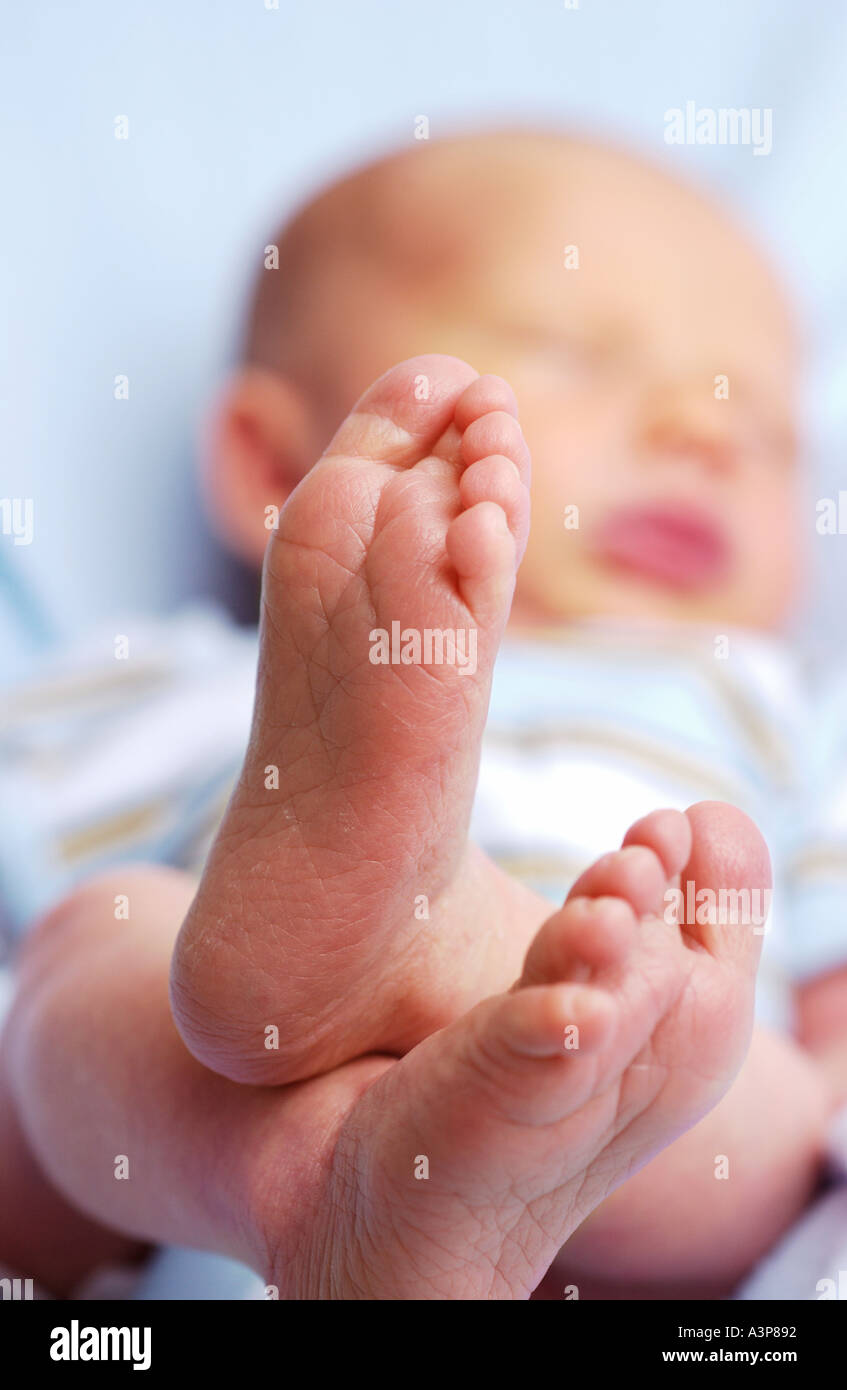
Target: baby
(318, 1059)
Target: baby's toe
(727, 879)
(540, 1021)
(586, 935)
(496, 479)
(496, 432)
(483, 552)
(405, 412)
(634, 873)
(668, 834)
(485, 394)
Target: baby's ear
(259, 442)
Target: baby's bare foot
(340, 894)
(473, 1159)
(455, 1172)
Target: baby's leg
(341, 903)
(822, 1029)
(456, 1172)
(43, 1237)
(130, 1127)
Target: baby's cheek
(772, 549)
(783, 533)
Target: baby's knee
(146, 897)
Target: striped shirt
(110, 758)
(597, 723)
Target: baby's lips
(678, 546)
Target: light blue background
(132, 256)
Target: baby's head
(649, 345)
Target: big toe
(406, 410)
(726, 884)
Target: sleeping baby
(369, 1052)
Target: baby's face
(654, 364)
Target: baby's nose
(692, 423)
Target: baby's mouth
(675, 545)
